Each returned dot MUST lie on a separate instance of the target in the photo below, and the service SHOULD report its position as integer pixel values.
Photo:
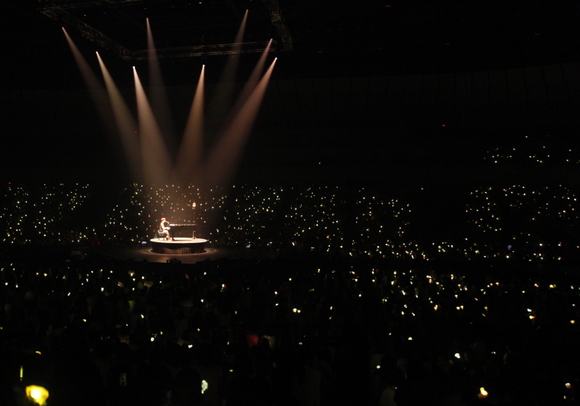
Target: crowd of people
(352, 302)
(519, 222)
(301, 330)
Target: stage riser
(198, 248)
(178, 246)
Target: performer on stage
(164, 228)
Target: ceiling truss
(59, 11)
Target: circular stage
(178, 245)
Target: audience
(286, 331)
(342, 303)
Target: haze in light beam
(188, 164)
(252, 80)
(225, 156)
(156, 161)
(241, 30)
(96, 91)
(126, 125)
(222, 100)
(158, 94)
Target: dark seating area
(287, 331)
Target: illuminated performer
(164, 228)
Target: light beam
(97, 93)
(157, 92)
(225, 156)
(222, 100)
(252, 80)
(189, 158)
(156, 161)
(125, 124)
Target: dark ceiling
(383, 70)
(312, 37)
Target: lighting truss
(57, 13)
(278, 23)
(57, 10)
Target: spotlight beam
(189, 157)
(252, 80)
(158, 94)
(126, 125)
(96, 90)
(226, 155)
(156, 161)
(222, 100)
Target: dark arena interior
(369, 202)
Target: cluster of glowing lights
(535, 151)
(314, 219)
(405, 295)
(383, 228)
(42, 214)
(536, 223)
